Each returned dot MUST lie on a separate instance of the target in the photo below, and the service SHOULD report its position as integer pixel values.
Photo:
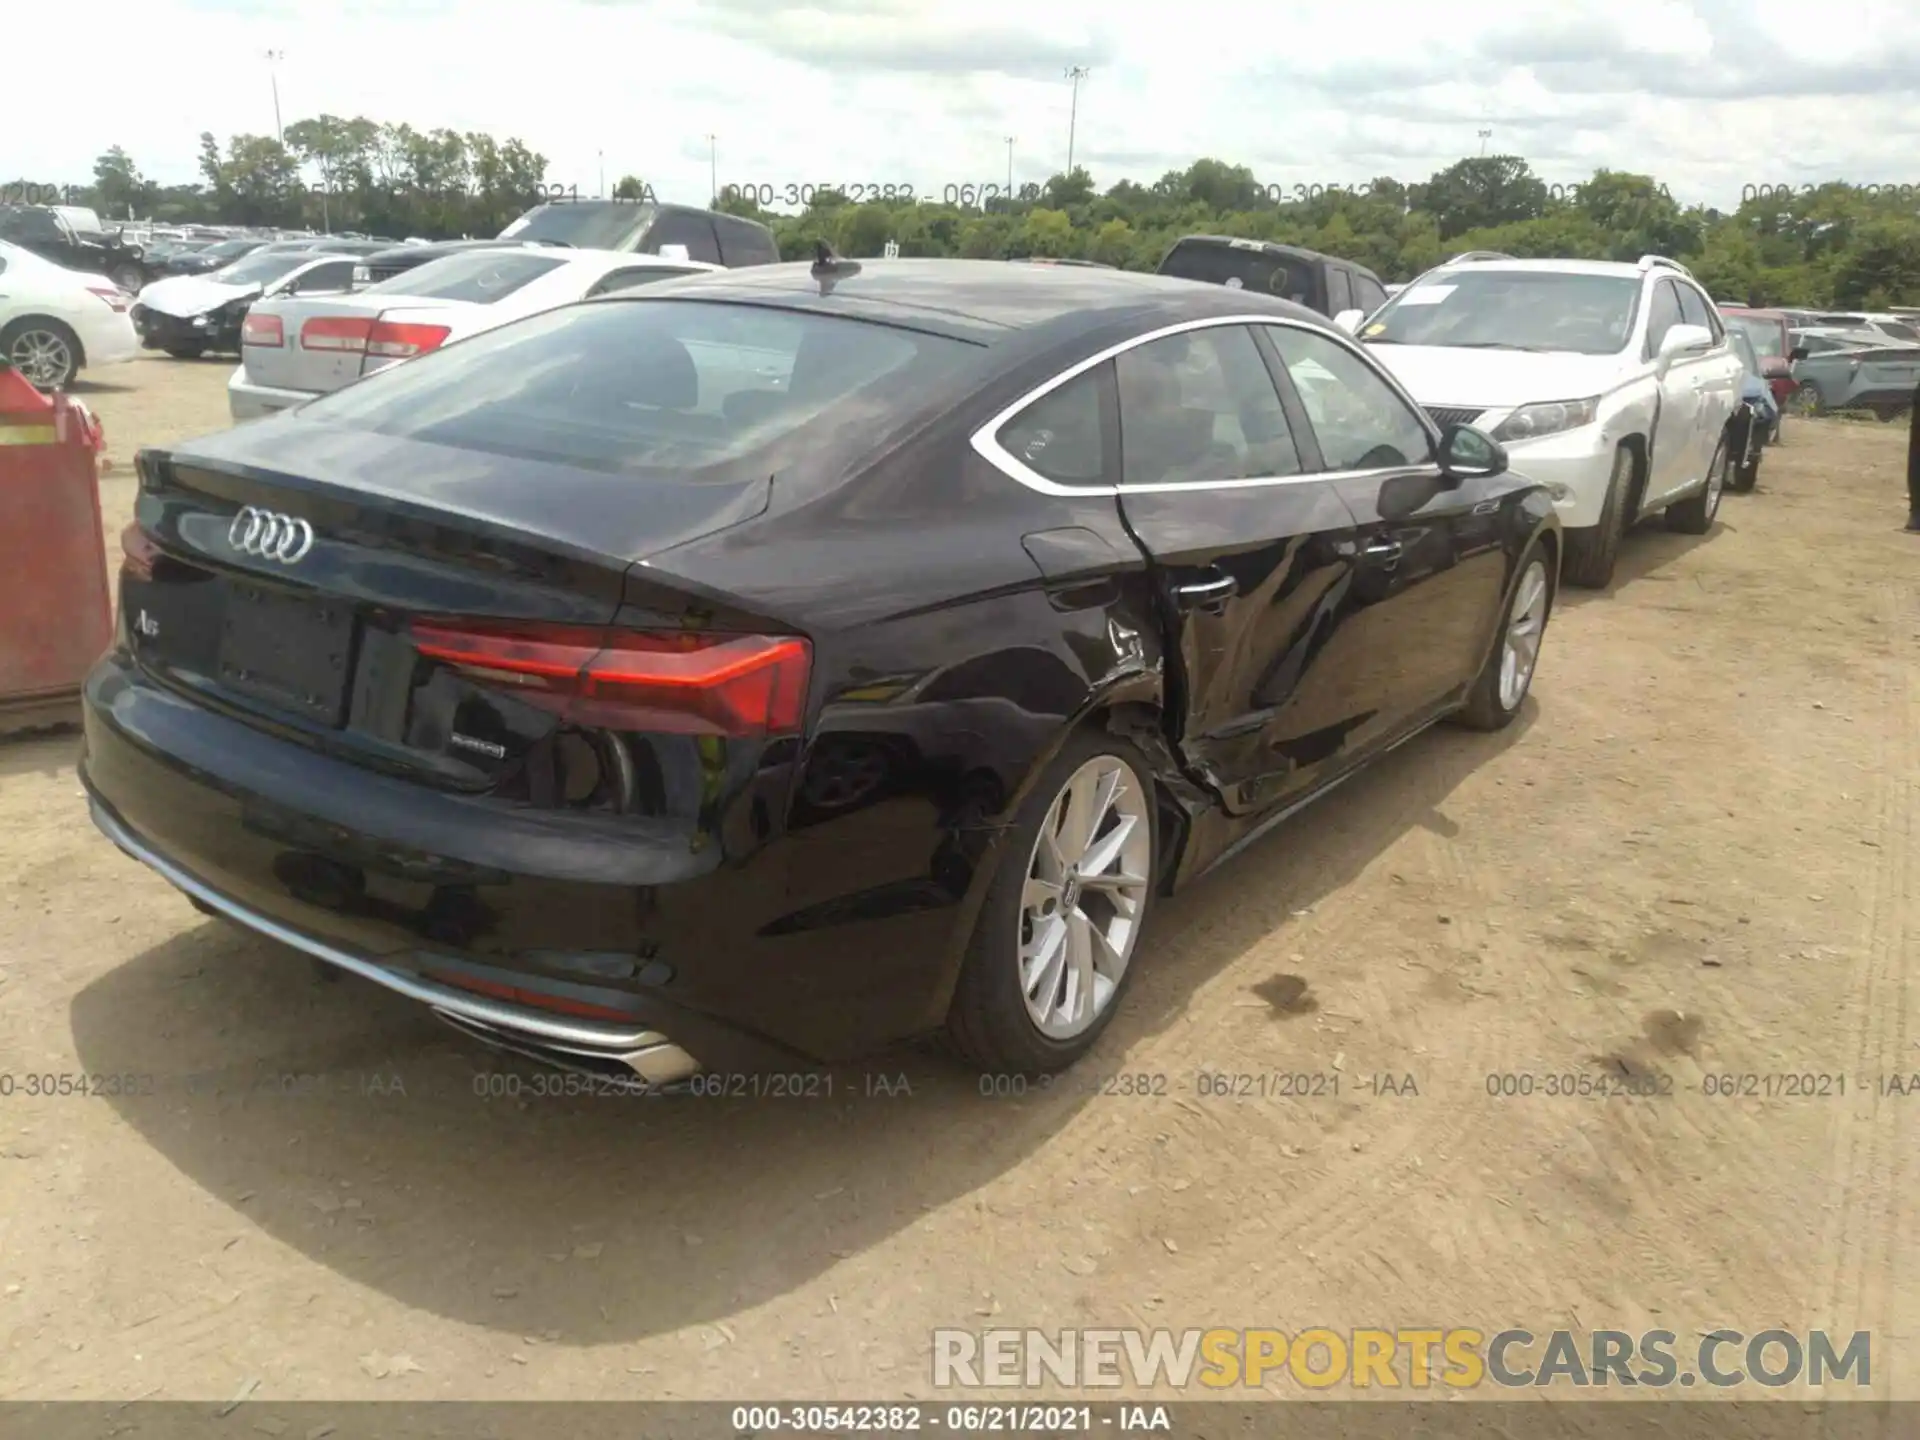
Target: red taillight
(390, 340)
(697, 684)
(347, 333)
(260, 329)
(116, 299)
(138, 552)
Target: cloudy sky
(1709, 95)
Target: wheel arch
(1131, 706)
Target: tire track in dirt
(1870, 1229)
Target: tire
(128, 277)
(991, 1023)
(1807, 399)
(42, 349)
(1497, 695)
(1695, 514)
(1744, 477)
(186, 352)
(1779, 428)
(1593, 549)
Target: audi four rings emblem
(270, 536)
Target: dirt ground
(1695, 856)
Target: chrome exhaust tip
(650, 1065)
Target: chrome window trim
(986, 444)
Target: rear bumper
(110, 341)
(643, 1050)
(248, 400)
(665, 951)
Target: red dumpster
(56, 606)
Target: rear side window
(1367, 294)
(744, 243)
(1694, 310)
(1201, 407)
(1061, 435)
(691, 230)
(1272, 274)
(652, 385)
(480, 276)
(1339, 294)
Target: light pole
(1485, 135)
(1075, 73)
(713, 170)
(274, 57)
(1010, 168)
(603, 172)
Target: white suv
(1611, 384)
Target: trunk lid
(308, 623)
(292, 365)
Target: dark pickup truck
(47, 234)
(644, 227)
(1320, 282)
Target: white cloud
(1709, 95)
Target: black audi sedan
(754, 669)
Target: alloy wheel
(43, 357)
(1085, 892)
(1526, 626)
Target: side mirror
(1467, 453)
(1797, 354)
(1681, 340)
(1349, 320)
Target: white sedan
(292, 349)
(56, 322)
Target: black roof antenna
(828, 268)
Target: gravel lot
(1694, 856)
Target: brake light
(345, 333)
(740, 686)
(260, 329)
(391, 340)
(115, 299)
(138, 552)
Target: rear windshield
(1768, 336)
(481, 276)
(261, 269)
(600, 225)
(651, 385)
(1287, 276)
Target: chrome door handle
(1386, 551)
(1206, 594)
